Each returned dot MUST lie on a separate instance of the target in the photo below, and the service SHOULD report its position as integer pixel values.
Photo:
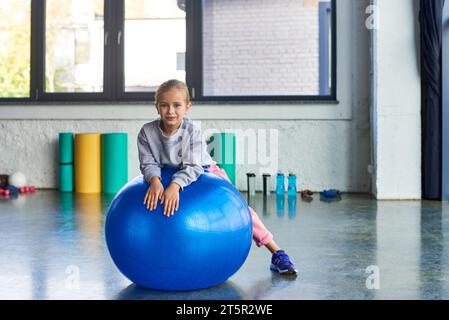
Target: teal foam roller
(224, 153)
(66, 148)
(114, 161)
(66, 177)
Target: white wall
(397, 113)
(327, 145)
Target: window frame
(37, 90)
(113, 70)
(195, 81)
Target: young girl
(173, 140)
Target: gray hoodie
(185, 149)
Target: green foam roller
(66, 177)
(66, 148)
(223, 152)
(114, 161)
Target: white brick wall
(260, 47)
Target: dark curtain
(431, 15)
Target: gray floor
(52, 247)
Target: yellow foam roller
(88, 163)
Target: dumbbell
(26, 189)
(4, 192)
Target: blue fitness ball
(204, 243)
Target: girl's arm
(191, 167)
(148, 164)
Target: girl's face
(172, 107)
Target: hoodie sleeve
(148, 164)
(191, 167)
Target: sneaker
(281, 263)
(330, 195)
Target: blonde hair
(170, 84)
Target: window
(15, 35)
(325, 38)
(155, 34)
(121, 50)
(261, 49)
(74, 50)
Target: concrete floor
(53, 248)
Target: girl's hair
(170, 84)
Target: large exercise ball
(204, 243)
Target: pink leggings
(261, 235)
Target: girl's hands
(154, 193)
(170, 198)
